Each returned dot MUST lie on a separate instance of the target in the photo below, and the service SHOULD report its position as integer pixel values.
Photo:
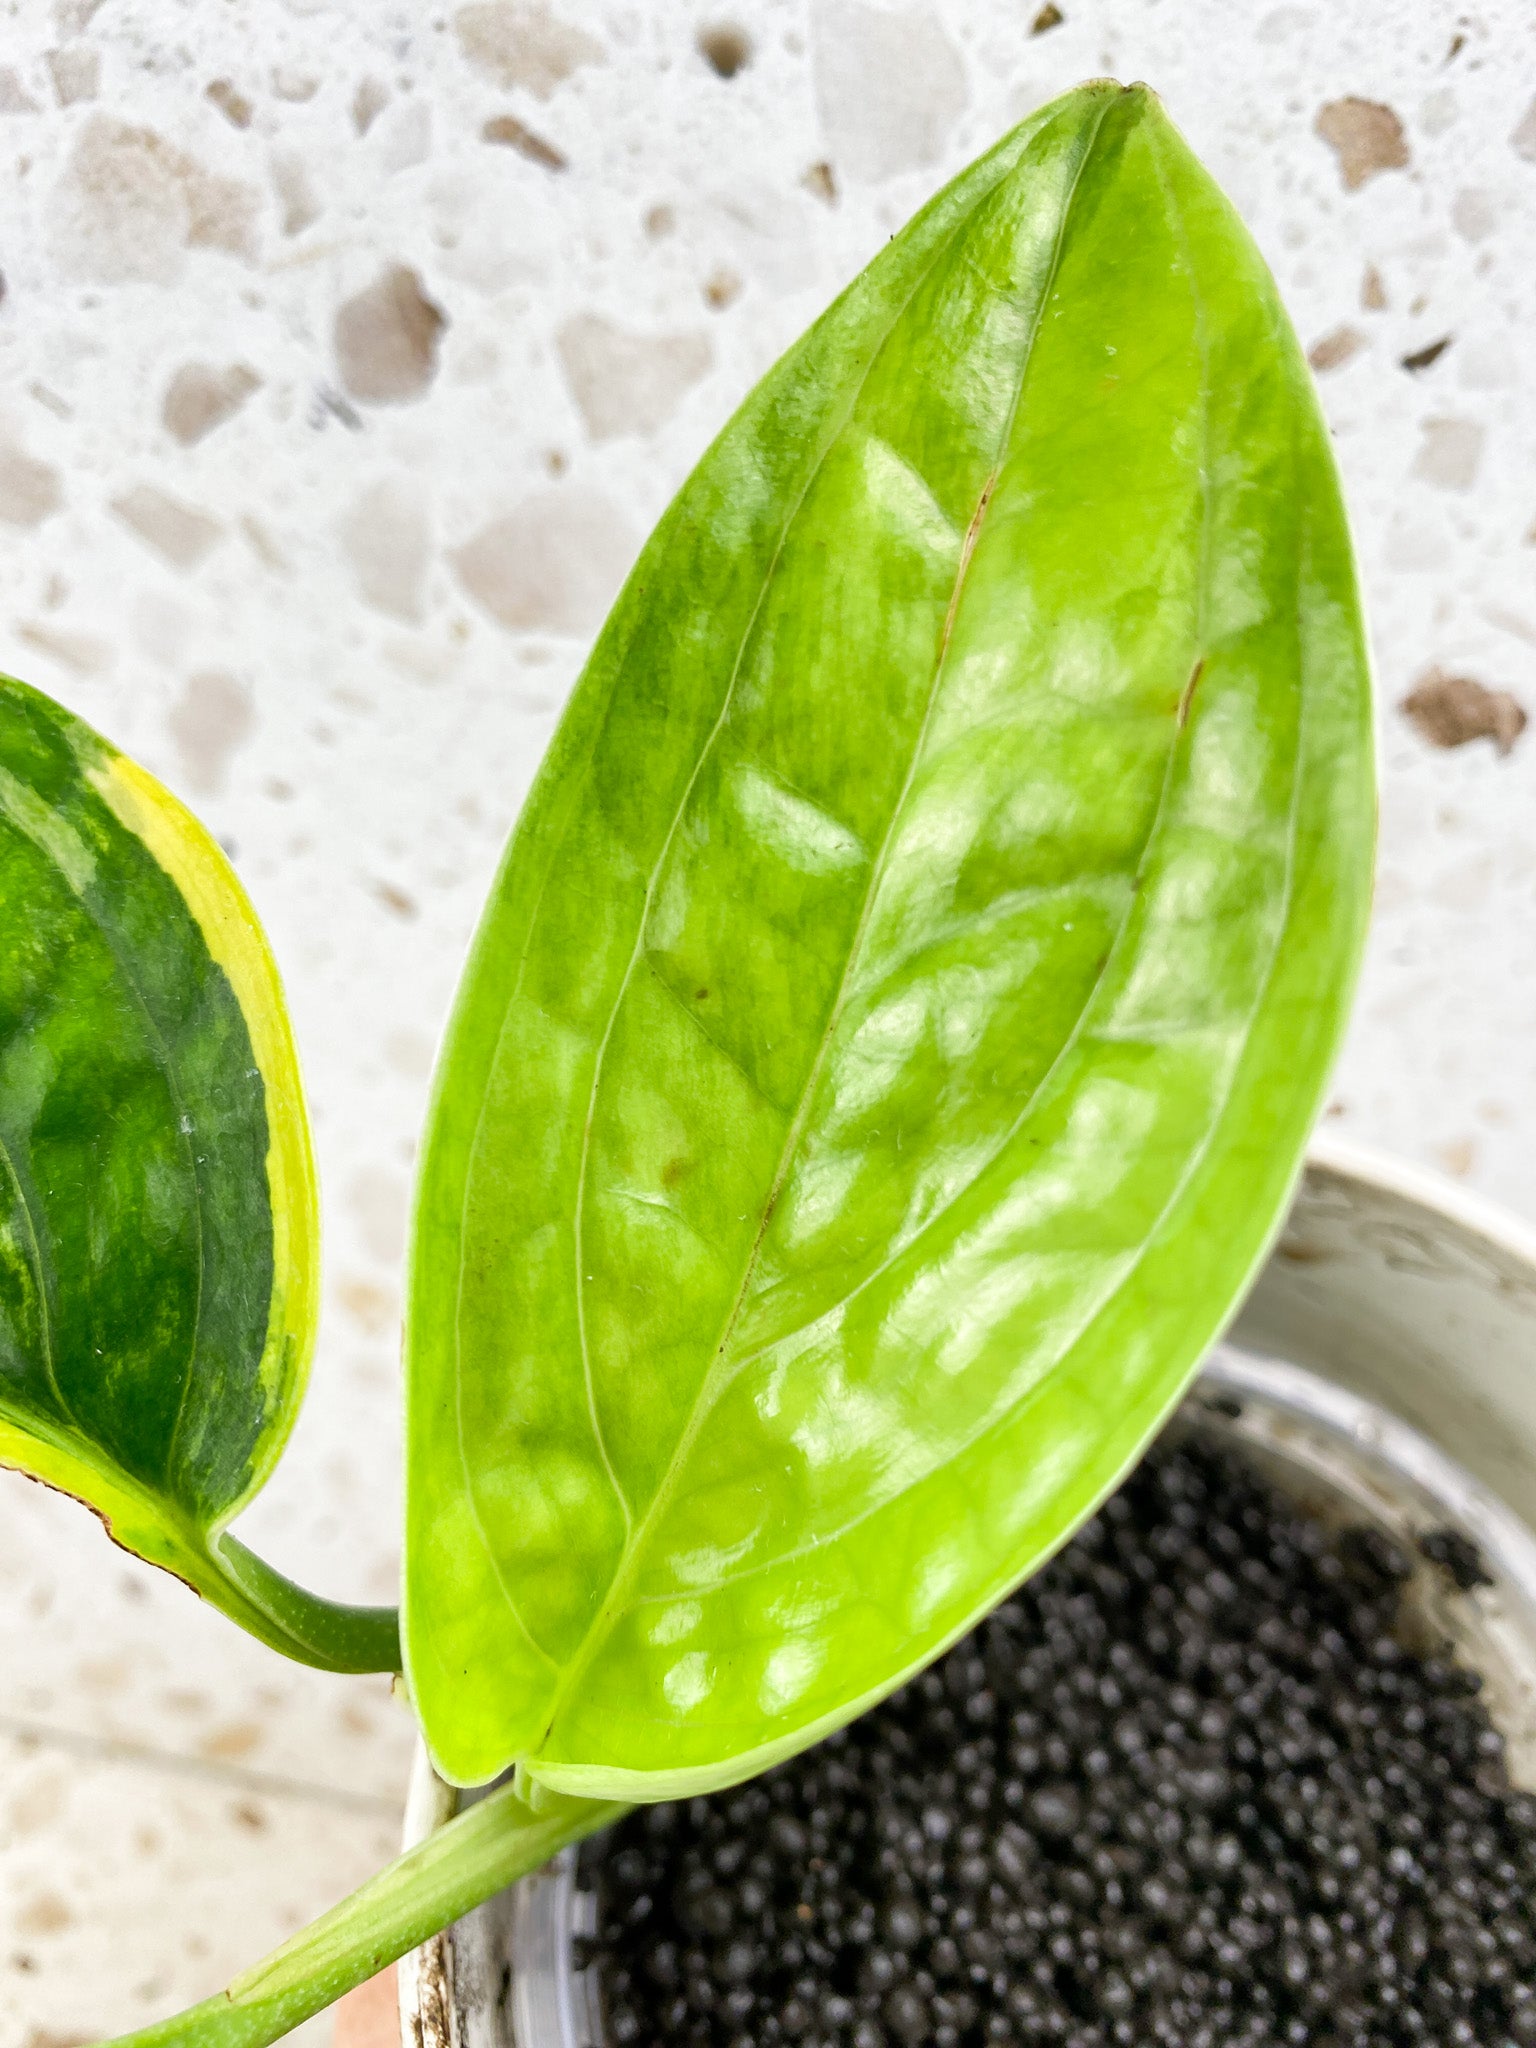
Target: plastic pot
(1383, 1368)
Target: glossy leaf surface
(902, 1007)
(158, 1235)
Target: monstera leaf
(893, 1035)
(158, 1237)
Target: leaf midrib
(624, 1572)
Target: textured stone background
(347, 350)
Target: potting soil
(1188, 1787)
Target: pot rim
(1426, 1188)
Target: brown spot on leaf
(1335, 347)
(725, 48)
(675, 1171)
(821, 182)
(721, 288)
(514, 134)
(1187, 695)
(1049, 17)
(1523, 141)
(1366, 137)
(523, 45)
(177, 532)
(76, 73)
(230, 101)
(1373, 292)
(245, 1813)
(387, 339)
(624, 382)
(1421, 358)
(201, 396)
(552, 565)
(30, 491)
(210, 721)
(660, 221)
(1450, 711)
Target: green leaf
(893, 1035)
(158, 1223)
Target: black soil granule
(1186, 1787)
(1457, 1556)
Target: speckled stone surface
(348, 349)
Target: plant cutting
(885, 1056)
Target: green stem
(301, 1625)
(475, 1856)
